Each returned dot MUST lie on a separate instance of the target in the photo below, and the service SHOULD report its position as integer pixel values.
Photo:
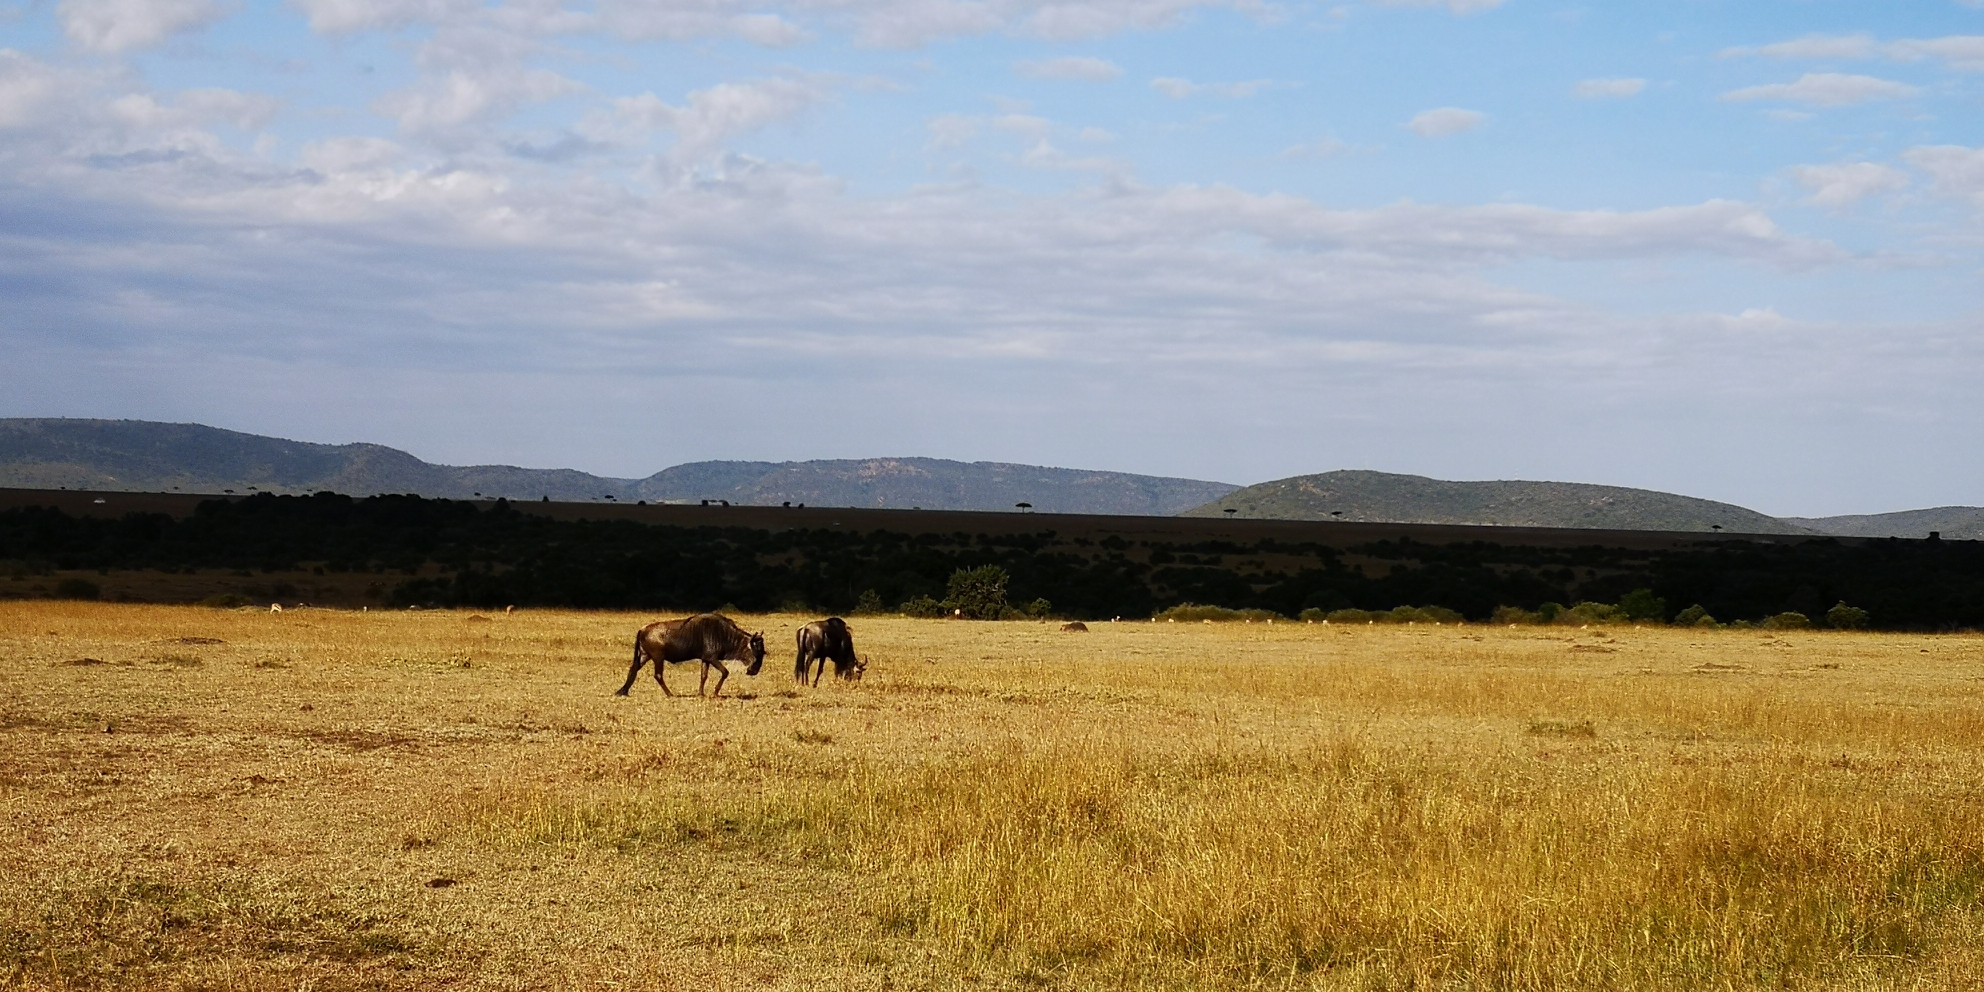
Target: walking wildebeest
(824, 640)
(708, 638)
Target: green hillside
(143, 456)
(1387, 498)
(932, 483)
(1953, 522)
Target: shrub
(1422, 614)
(226, 601)
(1511, 615)
(77, 589)
(1584, 613)
(1844, 617)
(1694, 616)
(1193, 613)
(869, 602)
(1039, 609)
(923, 606)
(1787, 621)
(978, 593)
(1316, 614)
(1549, 612)
(1642, 604)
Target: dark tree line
(501, 555)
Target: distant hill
(1953, 522)
(1381, 497)
(931, 483)
(143, 456)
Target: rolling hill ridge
(146, 456)
(1365, 496)
(143, 456)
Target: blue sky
(1730, 249)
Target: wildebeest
(707, 637)
(824, 640)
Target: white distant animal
(275, 607)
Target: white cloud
(1826, 89)
(123, 25)
(1851, 46)
(1848, 182)
(1965, 52)
(710, 117)
(1443, 121)
(27, 88)
(1178, 88)
(345, 16)
(1607, 89)
(769, 30)
(950, 130)
(446, 103)
(1070, 67)
(1956, 171)
(1026, 124)
(350, 155)
(884, 23)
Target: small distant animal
(824, 640)
(275, 607)
(1077, 627)
(706, 637)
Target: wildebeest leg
(819, 669)
(722, 673)
(636, 669)
(658, 666)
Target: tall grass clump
(1227, 864)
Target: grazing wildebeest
(1077, 627)
(708, 638)
(824, 640)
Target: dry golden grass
(198, 798)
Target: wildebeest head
(757, 653)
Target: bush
(77, 589)
(1512, 615)
(1787, 621)
(1422, 614)
(868, 603)
(1844, 617)
(1588, 613)
(1549, 612)
(1350, 616)
(1194, 613)
(978, 593)
(1039, 609)
(1642, 604)
(923, 606)
(226, 601)
(1694, 616)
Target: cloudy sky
(1730, 248)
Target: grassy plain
(200, 798)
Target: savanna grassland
(201, 798)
